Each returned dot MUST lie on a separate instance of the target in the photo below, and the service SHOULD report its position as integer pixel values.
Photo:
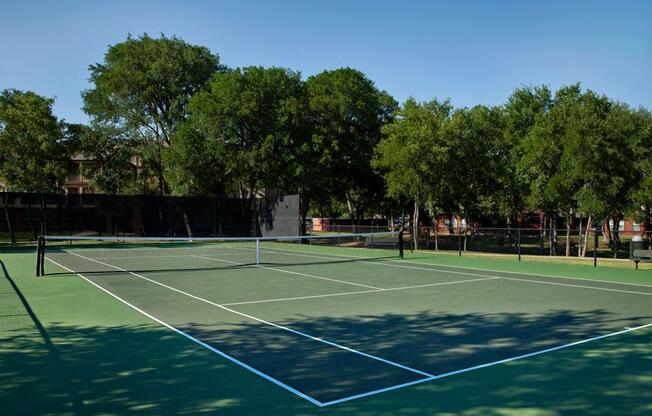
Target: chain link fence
(597, 247)
(24, 216)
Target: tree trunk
(462, 227)
(186, 223)
(586, 236)
(568, 233)
(44, 219)
(606, 232)
(349, 207)
(580, 240)
(304, 205)
(616, 236)
(29, 217)
(10, 228)
(510, 243)
(551, 242)
(415, 224)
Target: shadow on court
(144, 369)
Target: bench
(642, 256)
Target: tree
(521, 111)
(474, 136)
(641, 149)
(347, 113)
(33, 149)
(413, 154)
(194, 165)
(33, 153)
(249, 125)
(143, 88)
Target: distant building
(76, 182)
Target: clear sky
(473, 52)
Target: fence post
(595, 247)
(437, 237)
(518, 242)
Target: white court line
(384, 263)
(193, 339)
(291, 272)
(285, 328)
(358, 292)
(480, 366)
(571, 285)
(522, 273)
(387, 260)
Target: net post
(40, 246)
(518, 242)
(595, 247)
(43, 257)
(400, 242)
(257, 251)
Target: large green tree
(521, 111)
(33, 147)
(247, 128)
(641, 148)
(474, 136)
(347, 113)
(413, 154)
(143, 88)
(33, 150)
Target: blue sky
(473, 52)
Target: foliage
(143, 88)
(472, 175)
(414, 154)
(33, 148)
(521, 111)
(245, 129)
(347, 113)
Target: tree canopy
(143, 87)
(33, 151)
(166, 117)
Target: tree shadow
(436, 343)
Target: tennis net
(64, 254)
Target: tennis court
(334, 319)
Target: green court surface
(428, 334)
